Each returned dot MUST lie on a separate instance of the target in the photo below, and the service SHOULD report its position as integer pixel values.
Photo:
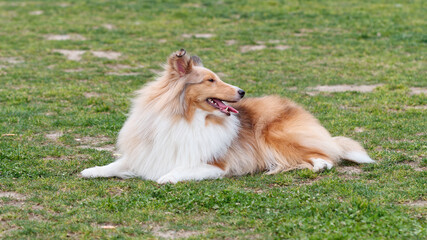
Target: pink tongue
(223, 107)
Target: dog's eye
(211, 80)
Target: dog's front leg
(114, 169)
(204, 171)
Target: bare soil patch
(73, 70)
(109, 148)
(303, 32)
(343, 88)
(93, 140)
(193, 5)
(18, 200)
(73, 37)
(91, 94)
(349, 170)
(271, 41)
(117, 191)
(172, 234)
(359, 129)
(13, 203)
(420, 203)
(416, 166)
(420, 169)
(118, 67)
(198, 35)
(300, 34)
(36, 13)
(204, 35)
(54, 136)
(282, 47)
(11, 60)
(108, 26)
(274, 41)
(14, 195)
(248, 48)
(64, 5)
(422, 107)
(73, 55)
(310, 181)
(97, 143)
(230, 42)
(7, 228)
(123, 74)
(255, 190)
(106, 54)
(418, 90)
(76, 55)
(186, 35)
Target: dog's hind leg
(204, 171)
(320, 164)
(114, 169)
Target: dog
(190, 125)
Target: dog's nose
(241, 93)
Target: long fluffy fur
(173, 135)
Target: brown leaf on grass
(108, 227)
(8, 135)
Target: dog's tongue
(224, 108)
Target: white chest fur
(164, 144)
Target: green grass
(52, 119)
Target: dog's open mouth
(219, 104)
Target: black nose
(241, 93)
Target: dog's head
(203, 88)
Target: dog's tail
(352, 150)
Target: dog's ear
(180, 62)
(197, 61)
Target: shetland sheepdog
(190, 125)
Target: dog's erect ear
(180, 62)
(197, 61)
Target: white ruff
(153, 144)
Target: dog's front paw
(90, 172)
(168, 178)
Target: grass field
(60, 112)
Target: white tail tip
(358, 157)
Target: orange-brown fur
(275, 133)
(173, 129)
(269, 127)
(269, 137)
(212, 119)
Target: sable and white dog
(180, 129)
